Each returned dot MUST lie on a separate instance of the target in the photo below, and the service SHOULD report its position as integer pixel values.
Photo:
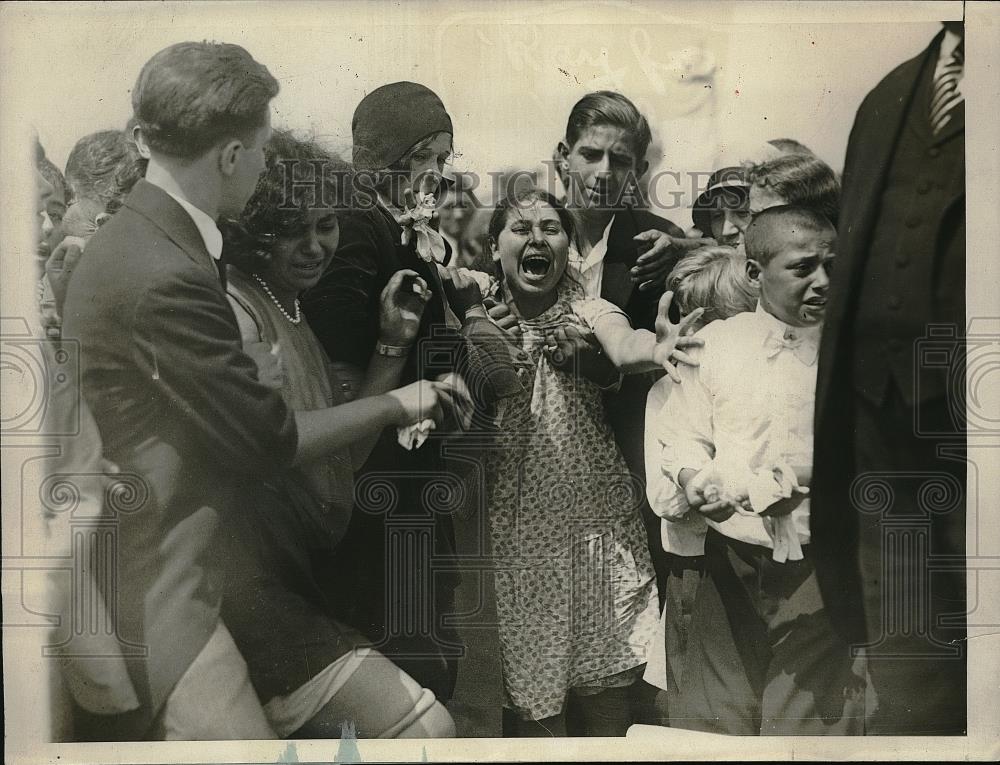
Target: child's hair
(713, 278)
(524, 198)
(802, 180)
(606, 107)
(765, 237)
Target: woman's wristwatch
(393, 351)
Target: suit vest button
(934, 151)
(924, 186)
(894, 302)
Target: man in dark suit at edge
(887, 427)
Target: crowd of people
(316, 368)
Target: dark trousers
(762, 657)
(909, 497)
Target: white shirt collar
(209, 231)
(772, 326)
(598, 251)
(949, 42)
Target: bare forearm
(632, 351)
(324, 431)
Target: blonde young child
(715, 280)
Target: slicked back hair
(193, 95)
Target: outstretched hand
(673, 340)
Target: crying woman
(576, 595)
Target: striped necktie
(946, 96)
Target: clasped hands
(718, 491)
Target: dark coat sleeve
(343, 308)
(198, 366)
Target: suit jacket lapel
(955, 125)
(616, 283)
(155, 204)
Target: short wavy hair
(608, 107)
(104, 166)
(713, 278)
(801, 180)
(192, 95)
(300, 176)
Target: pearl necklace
(298, 314)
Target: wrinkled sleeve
(592, 310)
(187, 342)
(684, 425)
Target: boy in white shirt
(737, 445)
(712, 278)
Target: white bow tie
(804, 345)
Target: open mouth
(309, 269)
(536, 264)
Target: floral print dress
(576, 595)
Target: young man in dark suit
(177, 401)
(888, 431)
(625, 253)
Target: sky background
(713, 78)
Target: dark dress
(389, 576)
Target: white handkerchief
(413, 436)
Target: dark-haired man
(624, 253)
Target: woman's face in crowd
(533, 249)
(298, 258)
(728, 225)
(427, 164)
(598, 168)
(794, 283)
